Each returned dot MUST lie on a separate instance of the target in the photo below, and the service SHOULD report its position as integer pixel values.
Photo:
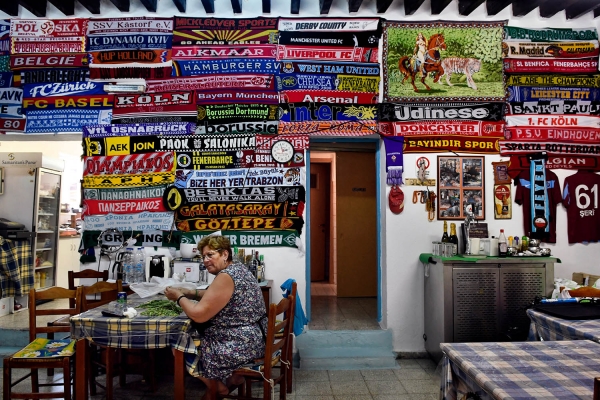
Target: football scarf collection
(553, 110)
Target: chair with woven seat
(276, 353)
(112, 360)
(60, 362)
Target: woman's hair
(217, 243)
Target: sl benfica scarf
(393, 159)
(540, 210)
(580, 66)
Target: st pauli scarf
(540, 210)
(133, 47)
(534, 65)
(525, 93)
(394, 163)
(581, 107)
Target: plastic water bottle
(128, 266)
(139, 262)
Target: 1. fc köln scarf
(540, 210)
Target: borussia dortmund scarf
(540, 211)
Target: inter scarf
(269, 194)
(540, 211)
(575, 135)
(582, 107)
(580, 66)
(237, 97)
(390, 112)
(300, 112)
(550, 34)
(580, 81)
(523, 93)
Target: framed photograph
(461, 185)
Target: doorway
(344, 242)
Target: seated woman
(234, 311)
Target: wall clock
(282, 151)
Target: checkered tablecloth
(140, 332)
(547, 327)
(521, 370)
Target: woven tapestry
(441, 60)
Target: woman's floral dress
(235, 338)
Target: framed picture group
(461, 185)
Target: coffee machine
(158, 265)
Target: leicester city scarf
(540, 211)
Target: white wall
(407, 235)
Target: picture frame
(501, 172)
(461, 183)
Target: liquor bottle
(502, 244)
(453, 238)
(261, 268)
(445, 238)
(505, 205)
(253, 264)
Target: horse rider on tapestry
(419, 54)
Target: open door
(320, 200)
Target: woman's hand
(173, 293)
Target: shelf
(39, 214)
(45, 231)
(50, 266)
(44, 249)
(48, 197)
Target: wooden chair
(585, 291)
(62, 362)
(86, 274)
(596, 388)
(276, 353)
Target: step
(14, 337)
(344, 350)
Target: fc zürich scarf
(540, 211)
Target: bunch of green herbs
(160, 308)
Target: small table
(140, 332)
(561, 370)
(266, 292)
(546, 327)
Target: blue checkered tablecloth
(547, 327)
(140, 332)
(520, 370)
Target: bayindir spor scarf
(540, 210)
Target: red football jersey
(523, 198)
(580, 198)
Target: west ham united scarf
(315, 67)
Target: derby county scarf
(329, 25)
(394, 163)
(540, 210)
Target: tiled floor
(416, 379)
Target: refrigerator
(31, 196)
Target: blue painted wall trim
(307, 244)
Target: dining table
(140, 332)
(561, 370)
(547, 327)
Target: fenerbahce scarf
(540, 210)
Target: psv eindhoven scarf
(540, 210)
